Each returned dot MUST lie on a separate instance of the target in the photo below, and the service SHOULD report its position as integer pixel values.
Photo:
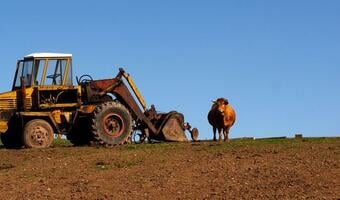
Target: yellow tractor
(44, 102)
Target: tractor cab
(44, 69)
(46, 79)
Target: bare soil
(240, 169)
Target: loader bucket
(172, 129)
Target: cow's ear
(213, 101)
(226, 102)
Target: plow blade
(173, 131)
(172, 128)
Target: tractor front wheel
(38, 133)
(111, 123)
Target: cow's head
(221, 104)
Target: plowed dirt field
(240, 169)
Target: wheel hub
(113, 125)
(39, 135)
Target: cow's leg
(214, 130)
(226, 134)
(220, 134)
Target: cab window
(55, 72)
(39, 65)
(24, 70)
(69, 75)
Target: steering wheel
(53, 77)
(84, 79)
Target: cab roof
(48, 55)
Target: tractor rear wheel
(111, 123)
(38, 133)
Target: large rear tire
(111, 124)
(38, 133)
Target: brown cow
(221, 117)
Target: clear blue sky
(278, 62)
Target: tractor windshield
(58, 72)
(24, 69)
(55, 72)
